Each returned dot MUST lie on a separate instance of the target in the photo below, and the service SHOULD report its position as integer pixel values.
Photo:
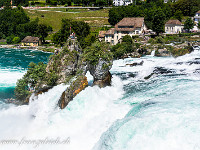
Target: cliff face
(71, 67)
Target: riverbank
(50, 49)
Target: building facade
(173, 27)
(30, 41)
(127, 26)
(197, 17)
(122, 2)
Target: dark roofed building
(130, 24)
(127, 26)
(173, 26)
(30, 41)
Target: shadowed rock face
(69, 64)
(100, 73)
(102, 78)
(104, 82)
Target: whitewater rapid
(159, 113)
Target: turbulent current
(153, 106)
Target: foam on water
(165, 108)
(13, 65)
(83, 120)
(134, 113)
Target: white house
(127, 26)
(109, 36)
(166, 1)
(122, 2)
(197, 17)
(173, 27)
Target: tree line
(155, 12)
(81, 30)
(59, 2)
(15, 25)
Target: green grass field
(53, 18)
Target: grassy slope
(51, 17)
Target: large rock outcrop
(100, 72)
(76, 87)
(70, 66)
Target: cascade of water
(153, 53)
(161, 112)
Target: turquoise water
(160, 113)
(13, 64)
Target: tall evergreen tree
(158, 21)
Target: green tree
(198, 25)
(178, 15)
(158, 21)
(127, 39)
(188, 7)
(80, 28)
(10, 19)
(21, 90)
(42, 32)
(16, 40)
(189, 24)
(97, 50)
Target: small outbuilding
(101, 35)
(31, 41)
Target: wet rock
(149, 76)
(197, 71)
(75, 88)
(162, 70)
(104, 82)
(100, 72)
(136, 64)
(193, 62)
(162, 53)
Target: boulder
(162, 53)
(136, 64)
(76, 87)
(100, 72)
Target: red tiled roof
(174, 22)
(198, 12)
(30, 39)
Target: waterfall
(153, 53)
(161, 112)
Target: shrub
(9, 39)
(16, 40)
(97, 50)
(160, 40)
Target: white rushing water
(153, 53)
(159, 113)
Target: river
(159, 113)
